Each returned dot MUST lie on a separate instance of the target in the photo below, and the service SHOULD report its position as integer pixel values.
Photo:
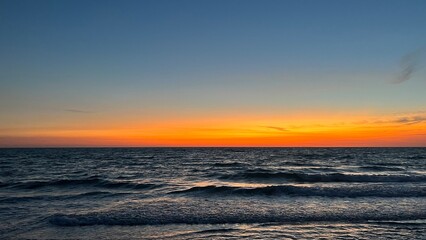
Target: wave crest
(91, 181)
(323, 177)
(320, 191)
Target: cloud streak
(410, 120)
(409, 64)
(77, 111)
(281, 129)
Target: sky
(212, 73)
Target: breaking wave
(375, 190)
(324, 177)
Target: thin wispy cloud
(72, 110)
(281, 129)
(402, 119)
(409, 63)
(410, 120)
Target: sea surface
(213, 193)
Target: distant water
(219, 193)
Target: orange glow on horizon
(291, 131)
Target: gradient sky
(212, 73)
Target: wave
(2, 184)
(228, 164)
(381, 168)
(20, 199)
(416, 157)
(307, 191)
(92, 181)
(323, 177)
(237, 211)
(220, 230)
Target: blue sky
(167, 58)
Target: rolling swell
(381, 168)
(85, 182)
(111, 220)
(60, 197)
(308, 191)
(323, 177)
(222, 212)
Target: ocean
(213, 193)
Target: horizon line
(70, 147)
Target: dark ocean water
(213, 193)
